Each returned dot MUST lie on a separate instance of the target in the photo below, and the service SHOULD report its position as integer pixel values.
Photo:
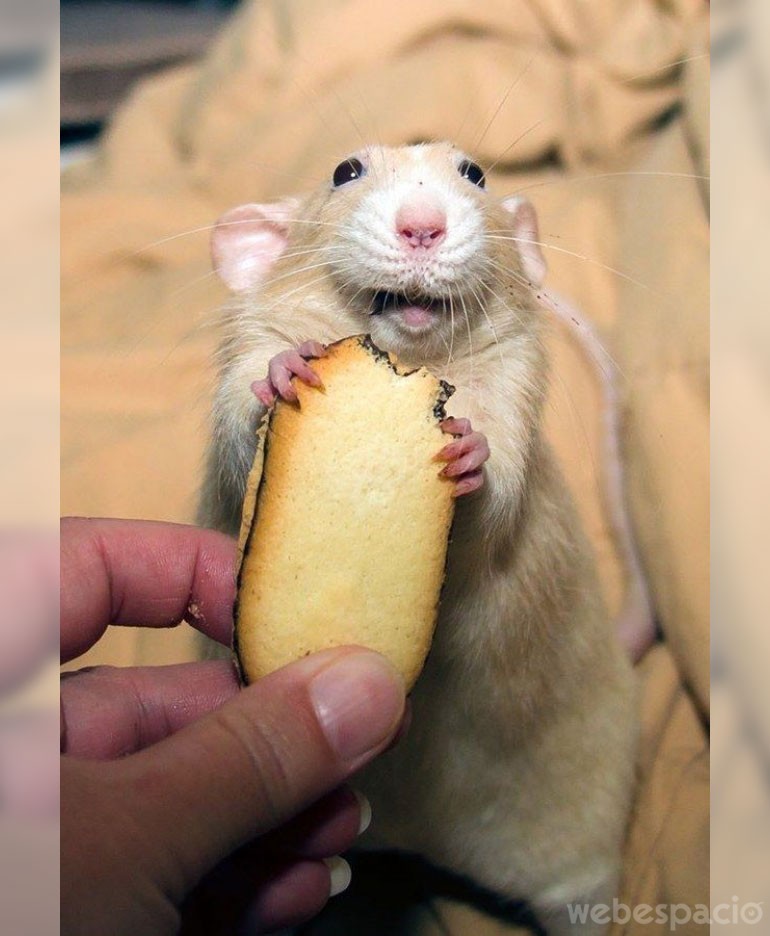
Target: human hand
(187, 802)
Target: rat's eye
(347, 171)
(473, 173)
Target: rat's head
(414, 243)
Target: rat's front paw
(465, 456)
(283, 368)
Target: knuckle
(102, 672)
(281, 362)
(258, 751)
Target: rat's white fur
(518, 767)
(371, 241)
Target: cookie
(346, 519)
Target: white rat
(518, 768)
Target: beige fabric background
(598, 112)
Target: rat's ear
(247, 241)
(525, 229)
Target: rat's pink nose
(421, 224)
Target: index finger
(142, 573)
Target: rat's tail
(636, 624)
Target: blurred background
(108, 45)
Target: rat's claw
(312, 349)
(469, 483)
(454, 426)
(465, 456)
(280, 377)
(286, 365)
(473, 443)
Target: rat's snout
(421, 223)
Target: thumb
(261, 758)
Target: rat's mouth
(416, 311)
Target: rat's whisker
(345, 286)
(470, 340)
(518, 139)
(508, 271)
(564, 180)
(504, 98)
(549, 303)
(210, 227)
(482, 306)
(295, 272)
(516, 312)
(664, 68)
(281, 300)
(572, 253)
(451, 327)
(587, 334)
